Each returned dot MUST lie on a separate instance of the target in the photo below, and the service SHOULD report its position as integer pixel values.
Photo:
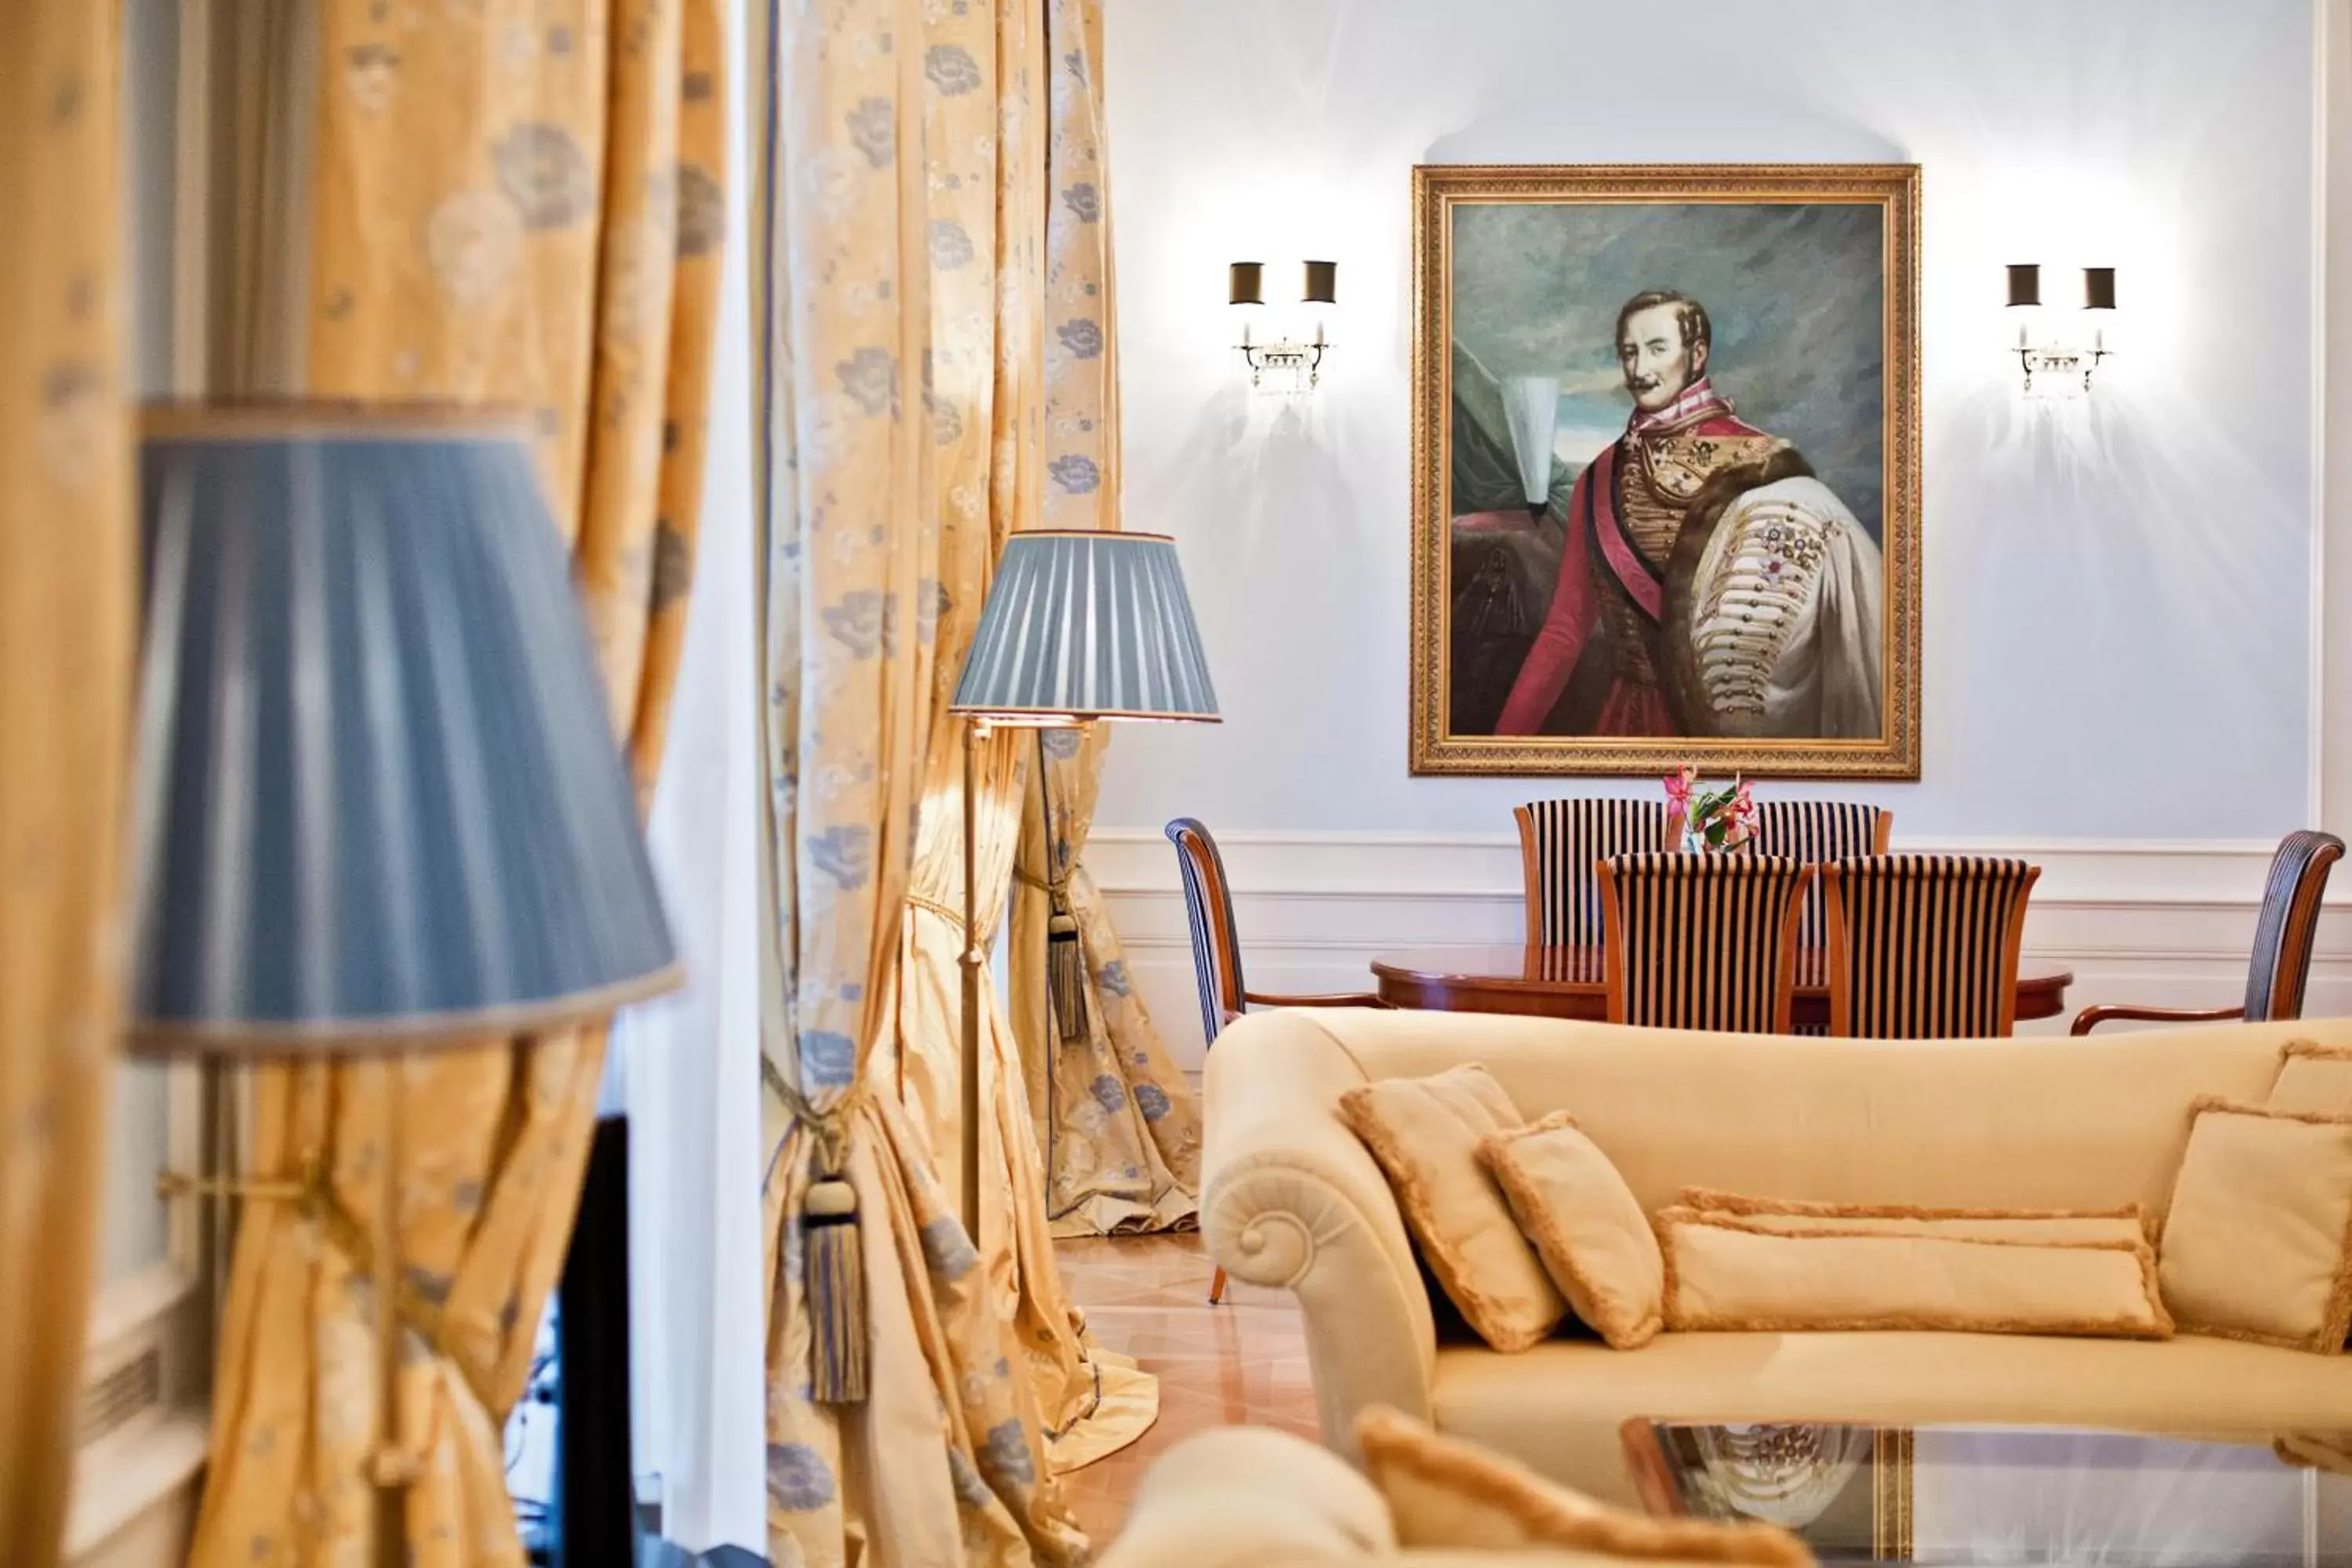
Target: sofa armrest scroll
(1291, 1199)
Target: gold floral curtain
(68, 625)
(1092, 1401)
(1120, 1126)
(910, 303)
(514, 202)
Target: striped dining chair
(1702, 942)
(1559, 840)
(1924, 947)
(2282, 941)
(1818, 832)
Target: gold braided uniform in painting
(1657, 491)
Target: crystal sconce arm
(1299, 360)
(2051, 355)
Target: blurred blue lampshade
(1081, 625)
(378, 799)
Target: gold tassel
(1066, 974)
(836, 1293)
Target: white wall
(132, 1236)
(2118, 633)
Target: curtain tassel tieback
(836, 1259)
(312, 1194)
(836, 1293)
(1065, 958)
(1065, 955)
(1066, 971)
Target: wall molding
(143, 1433)
(2166, 922)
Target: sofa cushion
(1444, 1492)
(1562, 1406)
(1593, 1238)
(1791, 1216)
(1237, 1497)
(2258, 1244)
(1424, 1132)
(2313, 1077)
(1727, 1271)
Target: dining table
(1573, 982)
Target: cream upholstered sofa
(1291, 1199)
(1252, 1496)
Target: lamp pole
(975, 736)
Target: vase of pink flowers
(1715, 817)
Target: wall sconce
(2060, 353)
(1297, 361)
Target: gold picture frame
(1441, 192)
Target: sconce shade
(1081, 625)
(1322, 283)
(1248, 283)
(2098, 287)
(2024, 283)
(378, 800)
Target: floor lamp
(378, 802)
(1080, 626)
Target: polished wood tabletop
(1572, 983)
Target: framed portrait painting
(1666, 469)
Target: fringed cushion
(1445, 1493)
(1731, 1273)
(1586, 1224)
(1424, 1132)
(2313, 1077)
(2258, 1242)
(1791, 1216)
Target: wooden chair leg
(1217, 1289)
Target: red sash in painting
(1596, 532)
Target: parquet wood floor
(1242, 1364)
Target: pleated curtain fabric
(67, 627)
(1925, 946)
(1121, 1124)
(912, 328)
(517, 205)
(1701, 941)
(1561, 841)
(1816, 832)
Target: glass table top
(1971, 1495)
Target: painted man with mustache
(1709, 585)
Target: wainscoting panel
(142, 1430)
(2165, 923)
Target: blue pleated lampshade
(378, 799)
(1081, 625)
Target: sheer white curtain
(687, 1069)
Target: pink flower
(1679, 786)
